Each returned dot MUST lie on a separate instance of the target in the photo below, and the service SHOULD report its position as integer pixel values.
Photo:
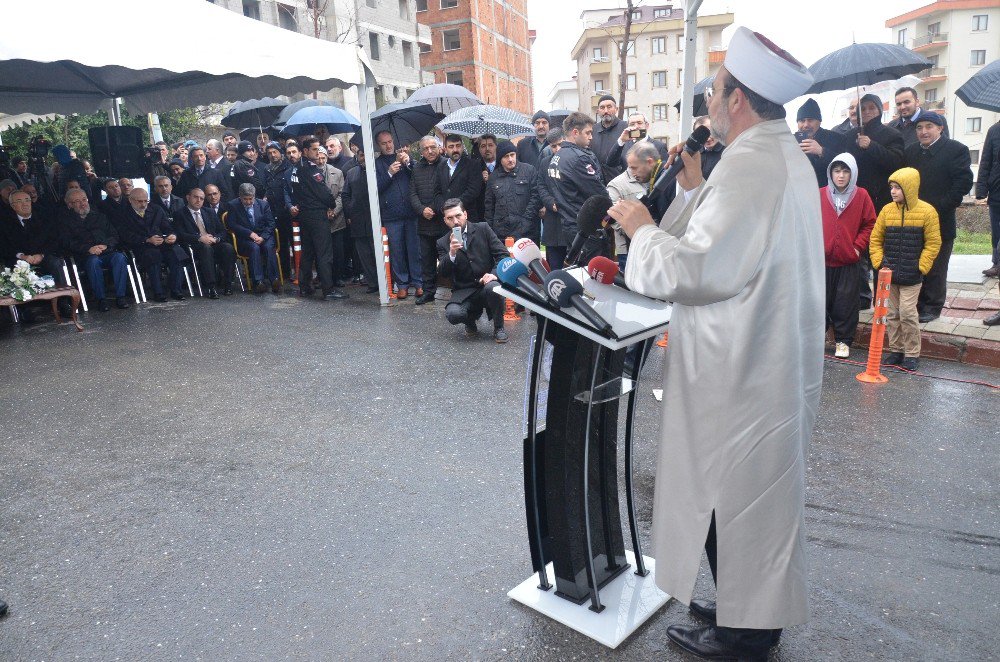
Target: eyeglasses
(710, 91)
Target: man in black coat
(92, 240)
(164, 197)
(711, 152)
(553, 236)
(909, 111)
(469, 263)
(359, 220)
(988, 193)
(574, 171)
(29, 236)
(529, 149)
(200, 229)
(145, 229)
(314, 200)
(426, 200)
(277, 176)
(636, 131)
(945, 178)
(247, 171)
(461, 177)
(199, 175)
(850, 122)
(512, 201)
(605, 137)
(114, 204)
(818, 144)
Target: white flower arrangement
(22, 283)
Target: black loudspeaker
(116, 151)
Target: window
(599, 85)
(452, 40)
(421, 5)
(286, 18)
(973, 125)
(974, 155)
(659, 79)
(631, 110)
(933, 60)
(629, 81)
(391, 40)
(931, 94)
(598, 54)
(449, 4)
(934, 28)
(454, 77)
(977, 58)
(660, 111)
(637, 15)
(980, 22)
(680, 43)
(251, 9)
(901, 37)
(629, 48)
(372, 3)
(659, 44)
(373, 45)
(661, 13)
(407, 54)
(680, 78)
(404, 10)
(425, 48)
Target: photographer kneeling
(468, 254)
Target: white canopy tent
(93, 55)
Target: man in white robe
(741, 258)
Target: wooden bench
(53, 296)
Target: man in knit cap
(528, 149)
(816, 142)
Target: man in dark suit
(461, 177)
(426, 200)
(470, 263)
(635, 131)
(114, 204)
(91, 238)
(30, 237)
(850, 122)
(199, 175)
(818, 144)
(909, 111)
(200, 229)
(163, 196)
(359, 220)
(945, 169)
(251, 220)
(555, 239)
(145, 229)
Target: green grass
(972, 243)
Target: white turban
(766, 68)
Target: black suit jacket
(883, 157)
(483, 250)
(909, 129)
(190, 180)
(832, 144)
(176, 204)
(78, 234)
(37, 236)
(187, 229)
(466, 185)
(134, 230)
(945, 178)
(240, 225)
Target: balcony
(716, 55)
(600, 67)
(930, 42)
(937, 105)
(932, 74)
(596, 97)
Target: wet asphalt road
(267, 478)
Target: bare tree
(622, 58)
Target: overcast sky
(807, 30)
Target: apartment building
(959, 37)
(654, 60)
(484, 45)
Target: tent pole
(368, 145)
(155, 133)
(116, 111)
(690, 51)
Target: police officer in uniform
(313, 200)
(246, 170)
(574, 172)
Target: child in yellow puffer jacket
(906, 239)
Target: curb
(947, 347)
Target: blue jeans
(95, 266)
(404, 253)
(258, 255)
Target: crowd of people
(206, 206)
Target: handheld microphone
(527, 253)
(592, 218)
(515, 275)
(667, 177)
(605, 270)
(566, 291)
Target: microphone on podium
(513, 274)
(567, 291)
(527, 253)
(667, 177)
(592, 219)
(605, 270)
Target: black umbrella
(698, 105)
(557, 116)
(983, 89)
(255, 112)
(407, 122)
(251, 133)
(864, 64)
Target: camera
(152, 155)
(38, 148)
(637, 134)
(4, 157)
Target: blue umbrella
(307, 120)
(279, 123)
(407, 122)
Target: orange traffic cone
(509, 314)
(388, 269)
(872, 374)
(296, 249)
(662, 342)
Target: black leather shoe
(122, 303)
(3, 608)
(704, 609)
(371, 290)
(910, 363)
(306, 291)
(335, 295)
(228, 292)
(177, 296)
(426, 297)
(500, 336)
(340, 282)
(260, 287)
(159, 298)
(894, 358)
(212, 293)
(992, 272)
(471, 330)
(103, 306)
(276, 287)
(924, 318)
(993, 320)
(714, 643)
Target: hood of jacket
(908, 180)
(840, 199)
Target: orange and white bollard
(509, 313)
(388, 269)
(662, 342)
(296, 250)
(872, 373)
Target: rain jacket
(907, 235)
(848, 217)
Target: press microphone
(605, 270)
(566, 291)
(527, 253)
(667, 177)
(514, 274)
(592, 217)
